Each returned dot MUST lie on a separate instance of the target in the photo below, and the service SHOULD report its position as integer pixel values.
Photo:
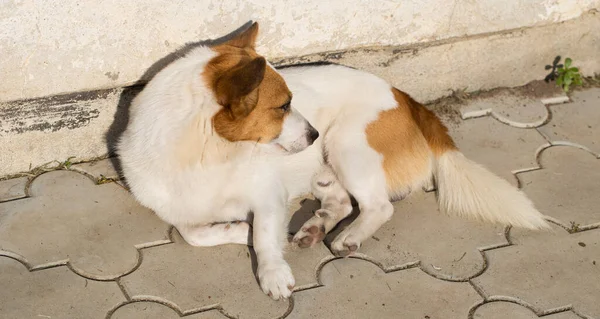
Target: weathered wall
(425, 47)
(51, 47)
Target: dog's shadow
(121, 117)
(307, 210)
(121, 120)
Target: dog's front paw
(276, 279)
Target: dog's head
(256, 104)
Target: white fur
(468, 190)
(294, 135)
(232, 179)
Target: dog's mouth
(290, 149)
(280, 147)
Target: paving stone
(154, 310)
(306, 262)
(95, 228)
(446, 247)
(509, 108)
(501, 148)
(577, 122)
(101, 170)
(223, 276)
(567, 186)
(100, 231)
(355, 288)
(504, 310)
(547, 270)
(302, 210)
(52, 293)
(12, 188)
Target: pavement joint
(87, 238)
(569, 225)
(507, 299)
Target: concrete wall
(52, 47)
(65, 65)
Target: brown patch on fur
(435, 132)
(250, 91)
(404, 137)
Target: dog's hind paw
(276, 279)
(345, 244)
(313, 231)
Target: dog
(220, 139)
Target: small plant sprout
(555, 65)
(565, 75)
(66, 164)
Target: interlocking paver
(446, 247)
(547, 270)
(66, 231)
(101, 170)
(222, 277)
(155, 310)
(499, 147)
(567, 186)
(12, 188)
(577, 122)
(511, 109)
(504, 310)
(52, 293)
(95, 228)
(302, 209)
(355, 288)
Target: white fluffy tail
(469, 190)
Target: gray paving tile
(101, 170)
(509, 108)
(446, 247)
(504, 310)
(12, 188)
(577, 122)
(547, 270)
(306, 262)
(567, 187)
(52, 293)
(302, 209)
(501, 148)
(154, 310)
(355, 288)
(100, 231)
(69, 219)
(222, 277)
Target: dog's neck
(200, 146)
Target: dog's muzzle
(313, 135)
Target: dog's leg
(216, 234)
(359, 169)
(372, 216)
(335, 206)
(270, 236)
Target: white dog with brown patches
(220, 133)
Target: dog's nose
(312, 134)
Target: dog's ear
(246, 39)
(236, 89)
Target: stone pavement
(74, 243)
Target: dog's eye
(285, 107)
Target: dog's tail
(467, 189)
